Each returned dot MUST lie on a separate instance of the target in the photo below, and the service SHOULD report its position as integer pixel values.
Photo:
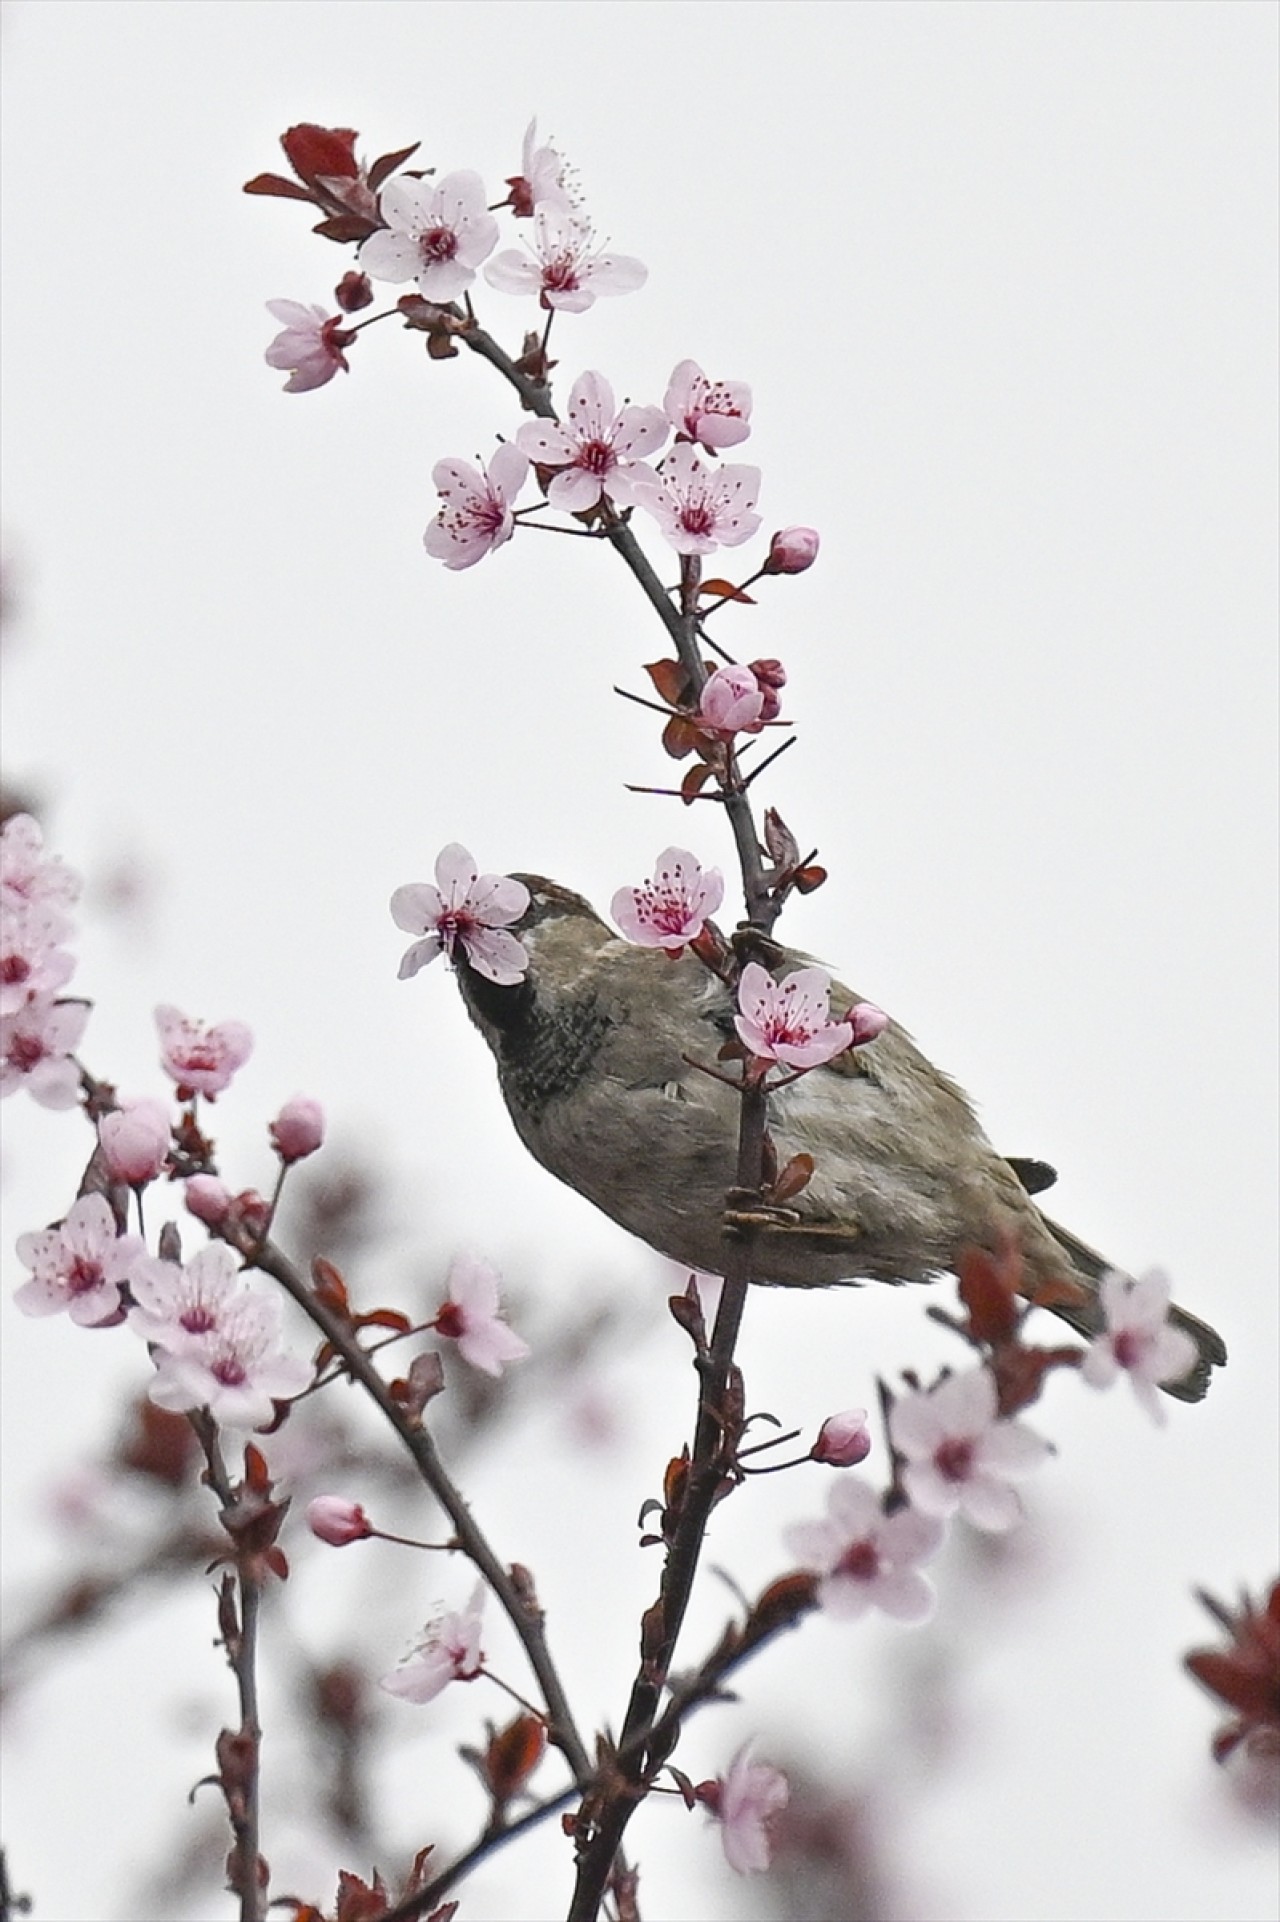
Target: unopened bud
(135, 1141)
(792, 550)
(298, 1129)
(337, 1521)
(353, 292)
(208, 1199)
(843, 1440)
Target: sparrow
(602, 1049)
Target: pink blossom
(715, 414)
(1138, 1339)
(176, 1304)
(789, 1021)
(732, 702)
(201, 1060)
(596, 450)
(843, 1440)
(671, 909)
(960, 1455)
(35, 1051)
(475, 515)
(27, 873)
(465, 909)
(32, 964)
(337, 1521)
(470, 1315)
(80, 1266)
(448, 1652)
(311, 347)
(745, 1802)
(135, 1141)
(541, 181)
(563, 266)
(208, 1199)
(698, 508)
(868, 1559)
(437, 233)
(792, 550)
(237, 1369)
(298, 1129)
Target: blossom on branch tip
(541, 181)
(437, 233)
(960, 1455)
(475, 514)
(81, 1266)
(563, 266)
(338, 1522)
(27, 873)
(465, 909)
(175, 1304)
(298, 1129)
(595, 448)
(135, 1141)
(471, 1316)
(867, 1559)
(32, 964)
(448, 1652)
(201, 1060)
(733, 702)
(714, 414)
(1138, 1339)
(789, 1021)
(698, 508)
(311, 347)
(745, 1802)
(670, 910)
(843, 1440)
(792, 550)
(238, 1370)
(35, 1051)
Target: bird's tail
(1086, 1319)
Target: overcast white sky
(1002, 278)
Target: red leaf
(514, 1752)
(670, 679)
(725, 591)
(277, 185)
(794, 1177)
(807, 879)
(680, 737)
(694, 781)
(313, 150)
(388, 162)
(345, 227)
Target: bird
(602, 1050)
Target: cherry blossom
(208, 1199)
(465, 909)
(1138, 1339)
(27, 873)
(960, 1455)
(475, 515)
(699, 508)
(563, 266)
(238, 1369)
(311, 347)
(789, 1021)
(32, 964)
(448, 1652)
(470, 1315)
(671, 909)
(338, 1522)
(844, 1440)
(597, 448)
(135, 1141)
(792, 550)
(867, 1559)
(298, 1129)
(201, 1060)
(732, 702)
(541, 181)
(715, 414)
(173, 1304)
(35, 1051)
(437, 233)
(745, 1802)
(81, 1266)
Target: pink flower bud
(208, 1199)
(867, 1021)
(353, 291)
(732, 701)
(843, 1440)
(792, 550)
(337, 1522)
(771, 675)
(135, 1141)
(298, 1129)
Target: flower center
(954, 1458)
(437, 243)
(561, 274)
(1127, 1348)
(451, 1322)
(197, 1320)
(697, 518)
(25, 1050)
(83, 1275)
(14, 968)
(860, 1562)
(596, 456)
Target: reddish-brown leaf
(670, 680)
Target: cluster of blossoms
(39, 1030)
